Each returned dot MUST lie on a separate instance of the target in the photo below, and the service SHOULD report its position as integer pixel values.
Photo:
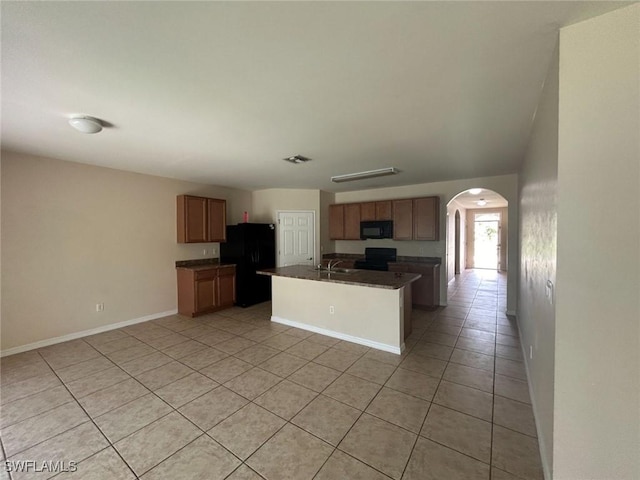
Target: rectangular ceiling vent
(297, 159)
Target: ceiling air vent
(297, 159)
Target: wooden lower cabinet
(207, 290)
(226, 287)
(425, 291)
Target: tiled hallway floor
(232, 395)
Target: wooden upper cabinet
(384, 210)
(217, 220)
(344, 221)
(192, 219)
(336, 222)
(426, 218)
(200, 219)
(368, 211)
(403, 219)
(352, 221)
(413, 218)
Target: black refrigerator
(251, 246)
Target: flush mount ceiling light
(296, 159)
(482, 202)
(349, 177)
(475, 191)
(86, 124)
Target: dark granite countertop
(202, 264)
(366, 278)
(346, 256)
(435, 261)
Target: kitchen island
(367, 307)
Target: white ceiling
(220, 92)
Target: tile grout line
(243, 462)
(91, 420)
(75, 399)
(395, 369)
(493, 390)
(362, 412)
(4, 456)
(174, 409)
(431, 402)
(424, 420)
(112, 444)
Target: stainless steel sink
(336, 270)
(343, 270)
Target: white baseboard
(85, 333)
(341, 336)
(546, 468)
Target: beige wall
(453, 207)
(75, 235)
(326, 244)
(538, 228)
(597, 355)
(267, 203)
(505, 185)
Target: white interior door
(296, 238)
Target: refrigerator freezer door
(251, 247)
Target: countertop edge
(208, 266)
(401, 259)
(407, 278)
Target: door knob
(310, 258)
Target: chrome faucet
(332, 264)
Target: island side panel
(407, 311)
(367, 313)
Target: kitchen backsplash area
(404, 248)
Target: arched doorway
(477, 249)
(478, 232)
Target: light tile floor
(232, 395)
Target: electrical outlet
(213, 251)
(99, 307)
(421, 250)
(204, 252)
(332, 310)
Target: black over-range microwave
(376, 229)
